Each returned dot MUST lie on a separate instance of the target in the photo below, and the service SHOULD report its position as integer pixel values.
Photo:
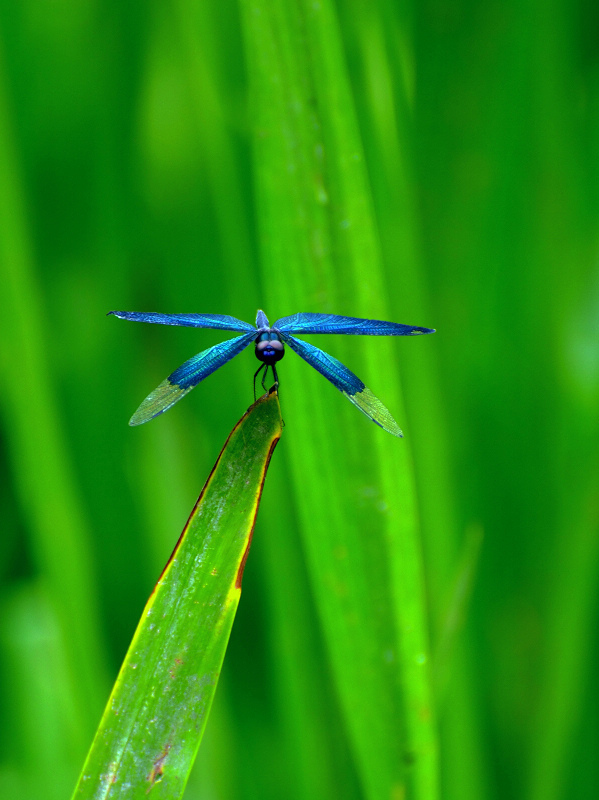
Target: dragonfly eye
(270, 351)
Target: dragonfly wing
(348, 383)
(216, 321)
(187, 376)
(332, 323)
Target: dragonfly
(269, 345)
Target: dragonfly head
(269, 348)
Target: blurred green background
(128, 181)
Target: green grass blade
(354, 485)
(154, 720)
(46, 484)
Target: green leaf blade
(316, 216)
(154, 720)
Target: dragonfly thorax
(269, 347)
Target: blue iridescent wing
(187, 376)
(217, 321)
(332, 323)
(345, 380)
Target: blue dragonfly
(269, 349)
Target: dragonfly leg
(264, 377)
(276, 377)
(256, 373)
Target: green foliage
(435, 164)
(358, 510)
(156, 714)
